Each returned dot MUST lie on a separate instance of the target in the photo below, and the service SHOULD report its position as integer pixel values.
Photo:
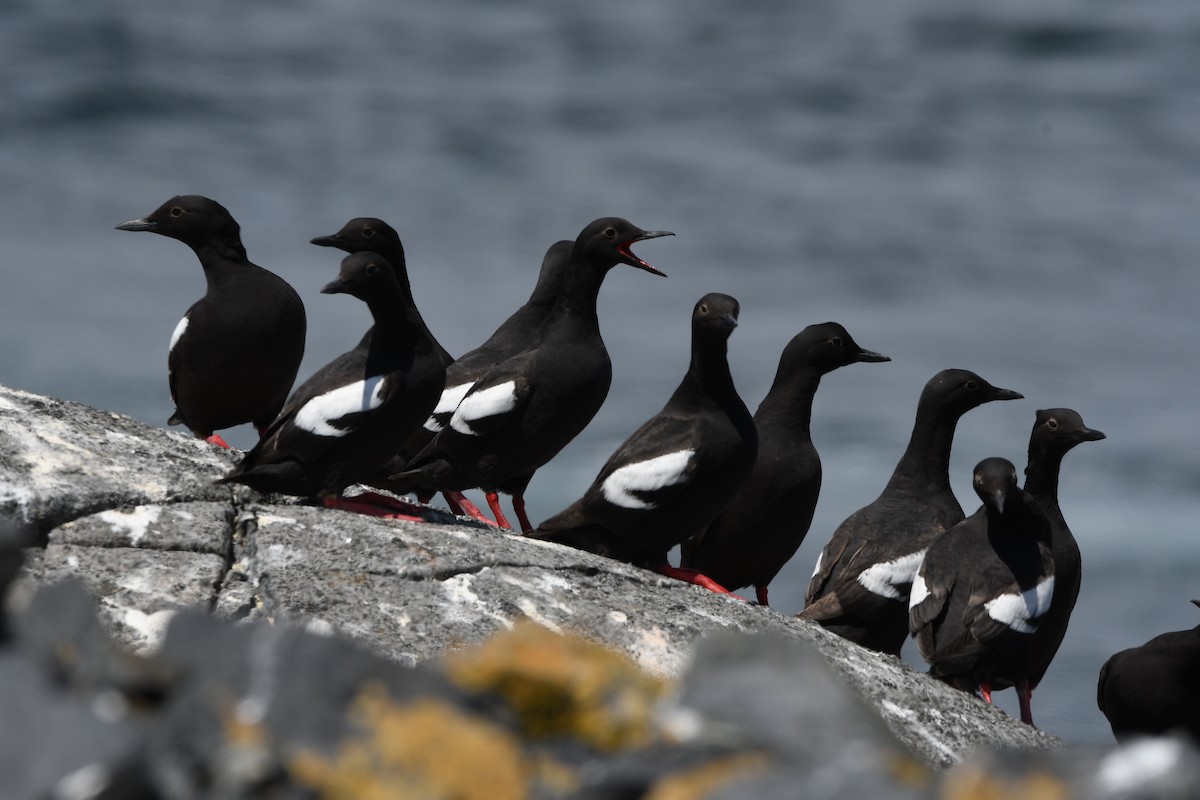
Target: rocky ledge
(165, 637)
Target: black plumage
(527, 407)
(349, 418)
(860, 586)
(765, 523)
(983, 588)
(235, 354)
(669, 479)
(372, 235)
(1055, 432)
(1151, 690)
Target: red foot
(522, 517)
(388, 502)
(985, 689)
(760, 592)
(217, 440)
(467, 508)
(494, 503)
(694, 577)
(358, 507)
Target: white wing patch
(178, 334)
(919, 591)
(882, 579)
(645, 476)
(451, 397)
(1018, 610)
(316, 415)
(817, 568)
(483, 404)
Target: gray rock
(130, 511)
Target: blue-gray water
(1012, 188)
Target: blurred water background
(1011, 188)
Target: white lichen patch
(530, 610)
(655, 652)
(148, 628)
(465, 604)
(265, 520)
(912, 723)
(619, 617)
(134, 524)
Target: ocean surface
(1011, 187)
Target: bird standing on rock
(984, 587)
(235, 354)
(859, 588)
(765, 523)
(1055, 432)
(668, 481)
(523, 410)
(352, 415)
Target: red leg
(470, 509)
(985, 689)
(519, 507)
(760, 592)
(393, 503)
(359, 507)
(694, 577)
(455, 507)
(1025, 699)
(494, 503)
(217, 440)
(423, 497)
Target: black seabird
(859, 588)
(669, 479)
(765, 523)
(984, 587)
(351, 416)
(521, 331)
(529, 406)
(371, 235)
(234, 355)
(1055, 432)
(1151, 690)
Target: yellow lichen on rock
(563, 686)
(427, 749)
(701, 782)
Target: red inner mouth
(624, 250)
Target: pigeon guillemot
(521, 331)
(1151, 690)
(351, 416)
(669, 479)
(371, 235)
(1055, 432)
(527, 407)
(984, 586)
(765, 523)
(235, 354)
(859, 588)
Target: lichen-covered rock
(276, 643)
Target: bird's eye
(372, 269)
(611, 233)
(1052, 424)
(368, 232)
(836, 341)
(703, 308)
(176, 211)
(972, 386)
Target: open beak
(629, 258)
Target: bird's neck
(576, 303)
(1041, 475)
(221, 259)
(927, 459)
(788, 405)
